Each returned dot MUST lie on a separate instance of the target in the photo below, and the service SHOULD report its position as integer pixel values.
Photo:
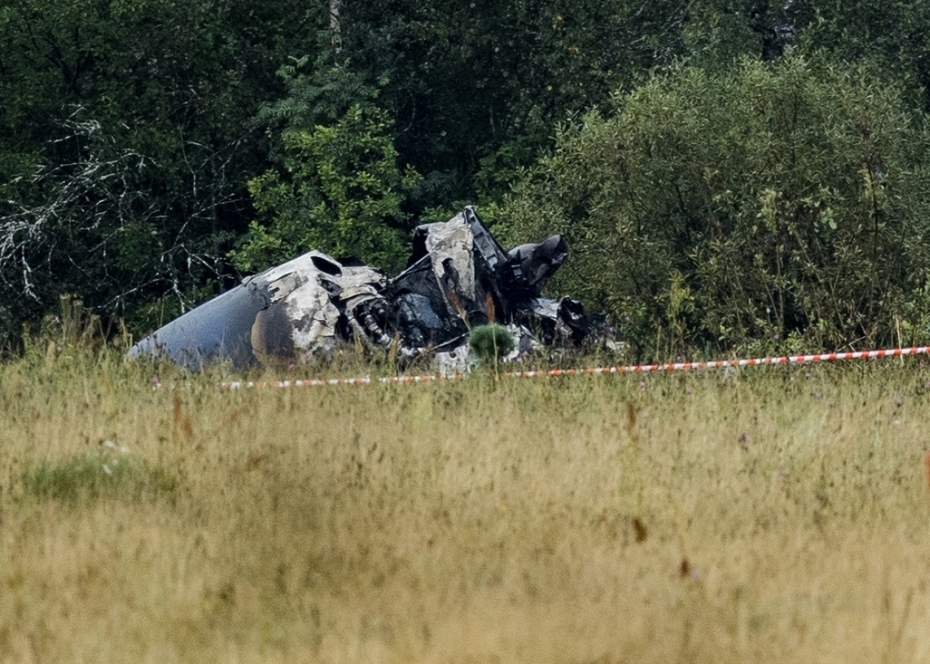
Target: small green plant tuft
(491, 342)
(98, 476)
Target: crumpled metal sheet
(450, 247)
(291, 311)
(458, 276)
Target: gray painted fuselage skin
(217, 330)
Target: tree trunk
(336, 31)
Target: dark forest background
(730, 175)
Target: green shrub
(491, 342)
(731, 212)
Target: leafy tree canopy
(149, 151)
(340, 191)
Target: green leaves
(340, 191)
(124, 130)
(773, 200)
(491, 343)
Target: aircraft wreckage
(457, 277)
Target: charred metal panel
(538, 262)
(272, 333)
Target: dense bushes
(775, 202)
(150, 155)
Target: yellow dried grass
(768, 516)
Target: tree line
(730, 174)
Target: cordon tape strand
(592, 371)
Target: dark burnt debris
(458, 277)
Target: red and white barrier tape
(720, 364)
(589, 371)
(323, 382)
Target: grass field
(769, 515)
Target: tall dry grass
(773, 515)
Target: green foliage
(892, 35)
(340, 191)
(128, 136)
(731, 210)
(122, 148)
(317, 92)
(94, 477)
(719, 33)
(491, 342)
(467, 80)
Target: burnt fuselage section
(457, 277)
